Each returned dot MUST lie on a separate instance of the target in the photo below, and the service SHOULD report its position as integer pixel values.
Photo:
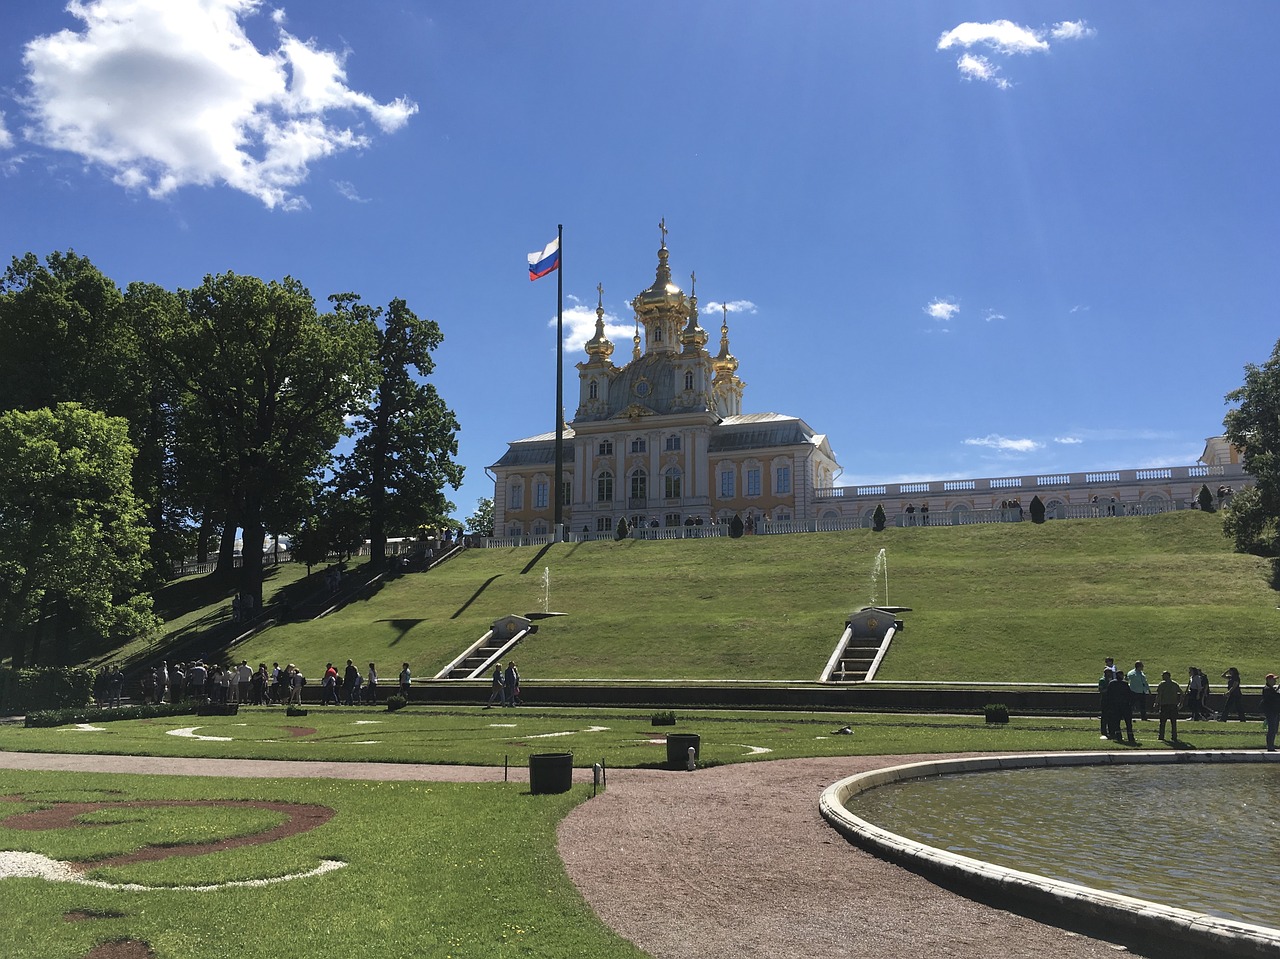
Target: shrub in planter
(396, 702)
(878, 519)
(996, 712)
(667, 718)
(735, 527)
(295, 711)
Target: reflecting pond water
(1198, 836)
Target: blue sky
(962, 239)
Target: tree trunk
(204, 533)
(226, 568)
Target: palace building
(662, 441)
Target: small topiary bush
(667, 718)
(396, 702)
(1037, 509)
(295, 711)
(878, 518)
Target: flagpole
(557, 490)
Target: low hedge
(43, 687)
(43, 718)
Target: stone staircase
(866, 637)
(478, 661)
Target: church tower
(597, 372)
(661, 309)
(726, 385)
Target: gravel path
(736, 861)
(733, 860)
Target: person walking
(1195, 693)
(371, 685)
(513, 685)
(1141, 689)
(351, 682)
(1271, 710)
(498, 688)
(405, 679)
(1234, 695)
(1168, 696)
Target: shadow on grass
(474, 596)
(534, 562)
(401, 626)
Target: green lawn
(429, 869)
(1012, 602)
(618, 738)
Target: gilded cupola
(599, 347)
(694, 337)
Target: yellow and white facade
(662, 440)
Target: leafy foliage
(72, 535)
(1253, 427)
(406, 437)
(481, 521)
(47, 687)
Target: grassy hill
(1015, 602)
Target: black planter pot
(678, 748)
(550, 773)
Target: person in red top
(329, 686)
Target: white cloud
(348, 190)
(171, 93)
(993, 315)
(974, 66)
(1006, 38)
(1078, 308)
(1072, 30)
(1068, 440)
(1004, 444)
(1003, 36)
(580, 326)
(6, 138)
(941, 309)
(735, 306)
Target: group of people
(505, 688)
(351, 688)
(1121, 691)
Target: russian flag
(545, 261)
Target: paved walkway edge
(1139, 918)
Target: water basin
(1203, 837)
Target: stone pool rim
(1065, 903)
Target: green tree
(1244, 521)
(406, 438)
(73, 539)
(480, 523)
(266, 382)
(1253, 427)
(70, 336)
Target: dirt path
(732, 861)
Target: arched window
(657, 334)
(605, 448)
(688, 380)
(604, 487)
(639, 485)
(671, 483)
(593, 391)
(673, 442)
